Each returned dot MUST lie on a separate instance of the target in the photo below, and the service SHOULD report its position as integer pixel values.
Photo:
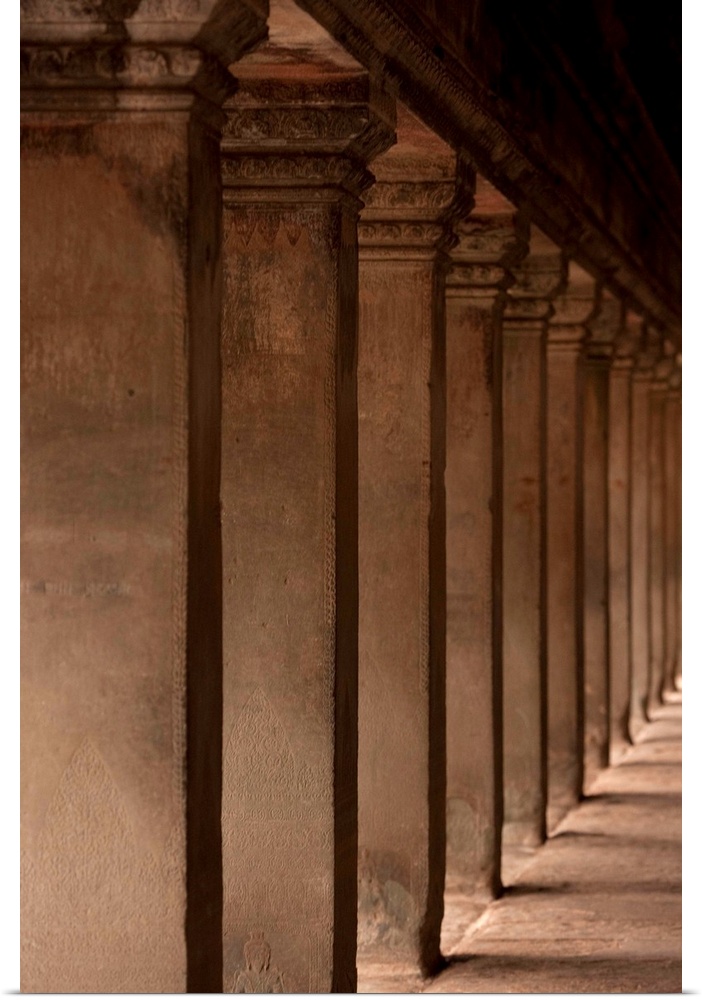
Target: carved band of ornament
(430, 196)
(295, 170)
(536, 284)
(474, 275)
(527, 308)
(402, 233)
(249, 126)
(114, 66)
(487, 239)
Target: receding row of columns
(352, 534)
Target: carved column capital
(76, 56)
(283, 135)
(665, 367)
(648, 355)
(573, 310)
(604, 329)
(627, 341)
(488, 245)
(421, 188)
(538, 280)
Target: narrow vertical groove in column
(619, 534)
(404, 233)
(494, 237)
(567, 332)
(294, 153)
(121, 697)
(538, 280)
(595, 538)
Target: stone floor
(597, 909)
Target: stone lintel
(313, 132)
(75, 55)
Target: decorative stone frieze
(122, 671)
(567, 333)
(404, 235)
(295, 156)
(136, 55)
(539, 280)
(492, 238)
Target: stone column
(657, 542)
(672, 418)
(493, 238)
(640, 646)
(619, 533)
(566, 334)
(121, 616)
(294, 150)
(403, 237)
(538, 280)
(596, 538)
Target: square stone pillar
(493, 238)
(538, 281)
(640, 531)
(619, 532)
(403, 235)
(596, 538)
(567, 332)
(294, 154)
(672, 416)
(121, 610)
(657, 463)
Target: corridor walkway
(597, 909)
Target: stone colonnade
(351, 535)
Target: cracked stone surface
(597, 909)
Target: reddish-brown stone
(539, 279)
(403, 235)
(640, 535)
(595, 538)
(672, 530)
(121, 683)
(566, 335)
(619, 532)
(657, 484)
(294, 152)
(493, 237)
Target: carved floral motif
(114, 66)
